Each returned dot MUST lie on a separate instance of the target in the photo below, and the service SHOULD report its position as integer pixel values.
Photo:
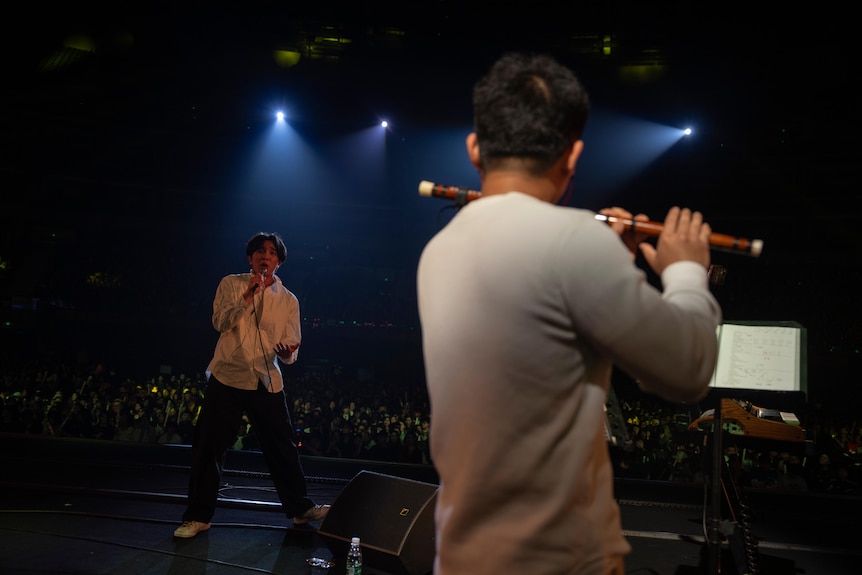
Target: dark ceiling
(138, 57)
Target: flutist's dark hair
(256, 241)
(530, 109)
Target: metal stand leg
(713, 530)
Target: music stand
(756, 359)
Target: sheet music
(760, 357)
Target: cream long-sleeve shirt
(245, 351)
(525, 307)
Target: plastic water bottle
(354, 558)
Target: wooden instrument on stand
(745, 419)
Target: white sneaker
(190, 529)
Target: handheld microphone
(263, 271)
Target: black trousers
(216, 431)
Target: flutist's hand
(684, 237)
(631, 237)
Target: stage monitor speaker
(392, 516)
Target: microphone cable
(260, 336)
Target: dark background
(132, 163)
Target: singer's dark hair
(528, 108)
(257, 240)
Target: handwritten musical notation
(760, 357)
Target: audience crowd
(389, 421)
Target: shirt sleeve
(228, 305)
(664, 339)
(686, 285)
(292, 332)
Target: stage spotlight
(279, 116)
(616, 161)
(384, 124)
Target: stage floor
(93, 507)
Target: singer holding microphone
(258, 320)
(525, 307)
